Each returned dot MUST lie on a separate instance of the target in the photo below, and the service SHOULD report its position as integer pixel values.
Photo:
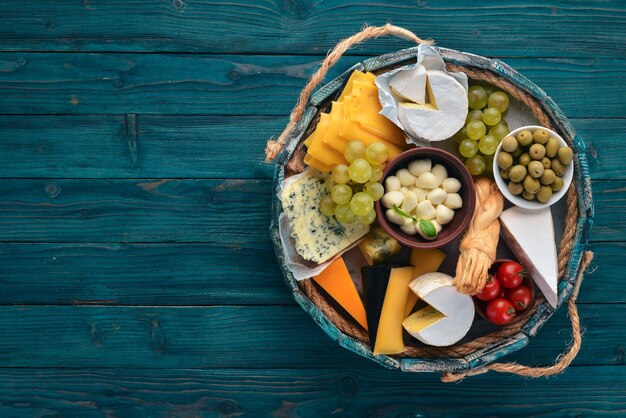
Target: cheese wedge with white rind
(410, 85)
(530, 235)
(440, 118)
(436, 290)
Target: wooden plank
(62, 83)
(305, 393)
(178, 146)
(192, 274)
(239, 337)
(226, 211)
(540, 29)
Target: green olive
(518, 151)
(541, 136)
(531, 184)
(565, 155)
(545, 161)
(525, 138)
(505, 160)
(504, 174)
(528, 196)
(524, 159)
(547, 177)
(515, 188)
(557, 184)
(537, 151)
(552, 147)
(535, 169)
(557, 167)
(544, 194)
(517, 173)
(509, 144)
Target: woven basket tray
(578, 214)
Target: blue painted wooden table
(137, 276)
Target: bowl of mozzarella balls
(429, 198)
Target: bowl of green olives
(533, 167)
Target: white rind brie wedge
(444, 113)
(449, 315)
(410, 85)
(530, 235)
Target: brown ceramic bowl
(481, 306)
(462, 216)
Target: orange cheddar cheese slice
(320, 150)
(336, 281)
(424, 261)
(318, 165)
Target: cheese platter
(394, 215)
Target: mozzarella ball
(437, 196)
(404, 189)
(451, 185)
(406, 178)
(393, 217)
(425, 210)
(410, 202)
(427, 181)
(440, 173)
(409, 227)
(426, 237)
(392, 198)
(444, 214)
(392, 184)
(419, 167)
(420, 193)
(453, 201)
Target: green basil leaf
(402, 213)
(428, 228)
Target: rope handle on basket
(273, 147)
(563, 361)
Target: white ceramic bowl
(519, 200)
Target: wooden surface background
(137, 276)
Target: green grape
(488, 145)
(361, 204)
(360, 170)
(377, 153)
(377, 173)
(344, 214)
(476, 164)
(330, 184)
(354, 150)
(367, 219)
(491, 116)
(341, 194)
(499, 100)
(460, 135)
(340, 174)
(374, 189)
(488, 166)
(500, 130)
(468, 148)
(474, 115)
(327, 206)
(477, 97)
(476, 130)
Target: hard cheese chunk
(437, 291)
(378, 246)
(336, 281)
(317, 237)
(422, 319)
(386, 290)
(530, 235)
(425, 261)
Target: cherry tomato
(520, 297)
(500, 311)
(511, 274)
(491, 289)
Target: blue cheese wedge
(317, 237)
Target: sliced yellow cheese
(356, 75)
(349, 130)
(321, 151)
(422, 319)
(336, 281)
(389, 336)
(318, 165)
(425, 261)
(364, 108)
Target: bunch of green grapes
(354, 188)
(484, 128)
